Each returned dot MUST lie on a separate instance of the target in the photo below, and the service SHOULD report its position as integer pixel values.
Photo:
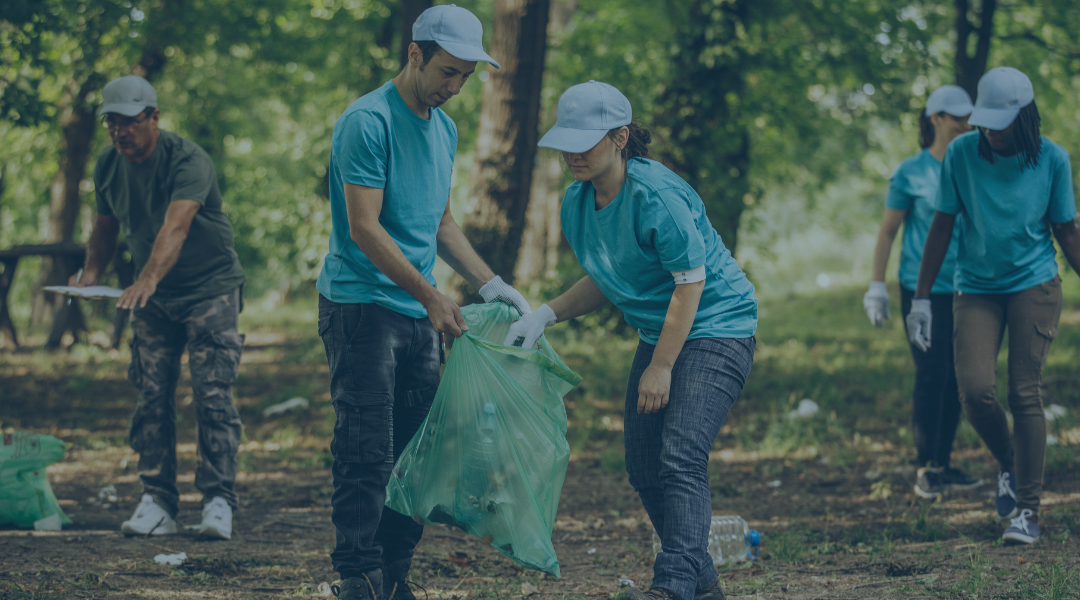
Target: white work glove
(525, 331)
(497, 290)
(876, 303)
(918, 323)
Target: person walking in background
(161, 190)
(380, 316)
(642, 236)
(935, 407)
(1007, 187)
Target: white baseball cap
(128, 96)
(951, 99)
(587, 111)
(455, 29)
(1002, 93)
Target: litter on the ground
(49, 523)
(324, 590)
(591, 551)
(626, 583)
(107, 493)
(173, 560)
(292, 404)
(807, 408)
(528, 589)
(1055, 411)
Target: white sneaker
(216, 519)
(149, 519)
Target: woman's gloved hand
(525, 331)
(876, 303)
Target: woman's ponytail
(637, 144)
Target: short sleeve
(193, 179)
(360, 150)
(899, 196)
(101, 204)
(948, 198)
(674, 233)
(1062, 202)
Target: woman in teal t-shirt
(1009, 191)
(641, 234)
(935, 406)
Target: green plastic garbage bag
(492, 455)
(25, 494)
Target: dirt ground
(831, 528)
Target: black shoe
(365, 587)
(653, 594)
(713, 592)
(955, 479)
(396, 578)
(928, 483)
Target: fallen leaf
(527, 589)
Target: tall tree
(410, 10)
(506, 141)
(973, 39)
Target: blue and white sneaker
(1021, 530)
(1006, 495)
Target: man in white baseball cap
(161, 190)
(380, 315)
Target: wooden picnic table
(69, 316)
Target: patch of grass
(613, 459)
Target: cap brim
(466, 52)
(128, 110)
(571, 140)
(992, 118)
(959, 111)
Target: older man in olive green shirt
(161, 191)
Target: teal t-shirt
(379, 142)
(1004, 214)
(656, 225)
(912, 188)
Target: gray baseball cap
(128, 96)
(587, 111)
(950, 99)
(456, 30)
(1002, 93)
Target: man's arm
(99, 251)
(937, 246)
(1068, 236)
(170, 239)
(456, 250)
(364, 204)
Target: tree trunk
(506, 140)
(410, 10)
(970, 67)
(79, 127)
(540, 243)
(699, 117)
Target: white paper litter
(89, 292)
(173, 560)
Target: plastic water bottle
(730, 540)
(476, 485)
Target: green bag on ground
(25, 494)
(491, 457)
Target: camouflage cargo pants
(162, 330)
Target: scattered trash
(324, 590)
(1055, 411)
(528, 589)
(49, 523)
(289, 405)
(626, 583)
(774, 483)
(173, 560)
(107, 493)
(807, 408)
(591, 551)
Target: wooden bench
(69, 316)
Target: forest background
(788, 116)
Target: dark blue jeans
(667, 453)
(384, 370)
(935, 403)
